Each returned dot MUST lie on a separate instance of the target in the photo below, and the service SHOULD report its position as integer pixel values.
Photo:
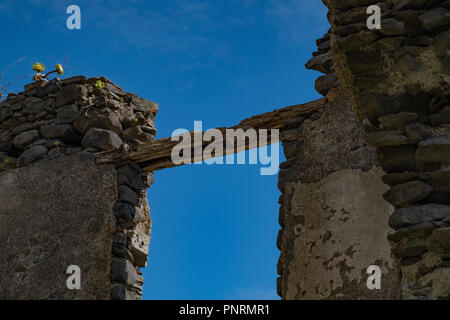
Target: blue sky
(218, 61)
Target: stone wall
(333, 216)
(57, 207)
(376, 156)
(398, 78)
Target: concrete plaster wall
(334, 217)
(56, 213)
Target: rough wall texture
(399, 79)
(333, 215)
(57, 207)
(54, 214)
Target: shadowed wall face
(54, 214)
(398, 77)
(57, 206)
(334, 218)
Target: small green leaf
(99, 84)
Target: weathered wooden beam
(156, 155)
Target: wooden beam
(156, 155)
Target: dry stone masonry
(366, 181)
(332, 212)
(398, 78)
(81, 117)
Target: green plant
(39, 68)
(99, 84)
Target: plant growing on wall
(99, 84)
(39, 68)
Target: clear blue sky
(219, 61)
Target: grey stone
(32, 154)
(387, 138)
(440, 118)
(417, 132)
(408, 251)
(40, 106)
(392, 27)
(5, 112)
(398, 159)
(390, 43)
(143, 105)
(434, 150)
(399, 178)
(122, 271)
(435, 18)
(100, 138)
(126, 194)
(41, 115)
(31, 88)
(12, 122)
(440, 177)
(420, 230)
(321, 63)
(29, 101)
(118, 291)
(120, 251)
(17, 107)
(66, 114)
(440, 239)
(108, 120)
(407, 193)
(5, 141)
(26, 138)
(73, 150)
(51, 87)
(397, 121)
(323, 84)
(115, 90)
(121, 239)
(64, 132)
(147, 179)
(124, 213)
(416, 214)
(81, 123)
(135, 133)
(128, 176)
(409, 4)
(13, 100)
(21, 128)
(69, 94)
(103, 119)
(74, 80)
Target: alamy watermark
(73, 282)
(374, 279)
(374, 21)
(73, 22)
(225, 145)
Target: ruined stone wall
(333, 216)
(398, 78)
(57, 207)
